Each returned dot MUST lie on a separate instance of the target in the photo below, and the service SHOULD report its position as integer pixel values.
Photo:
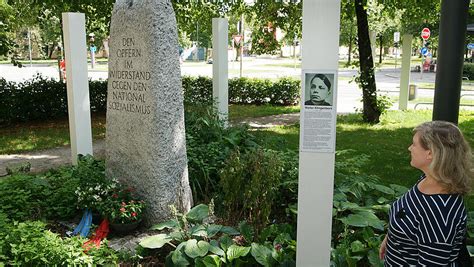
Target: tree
(366, 80)
(6, 38)
(265, 17)
(348, 29)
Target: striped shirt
(425, 230)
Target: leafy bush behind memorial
(41, 98)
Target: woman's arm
(383, 247)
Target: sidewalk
(44, 160)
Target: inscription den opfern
(129, 86)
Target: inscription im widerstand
(129, 86)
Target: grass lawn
(239, 112)
(48, 134)
(42, 135)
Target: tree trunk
(350, 48)
(381, 49)
(371, 112)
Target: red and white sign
(237, 39)
(425, 33)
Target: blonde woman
(427, 225)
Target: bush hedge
(468, 70)
(40, 98)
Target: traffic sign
(425, 33)
(237, 39)
(424, 51)
(396, 37)
(470, 46)
(93, 49)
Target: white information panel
(318, 111)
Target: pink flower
(115, 196)
(122, 210)
(124, 204)
(134, 214)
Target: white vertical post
(220, 32)
(405, 72)
(242, 41)
(321, 20)
(29, 46)
(373, 45)
(75, 49)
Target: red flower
(115, 196)
(122, 210)
(134, 214)
(278, 247)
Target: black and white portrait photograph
(318, 89)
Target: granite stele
(145, 142)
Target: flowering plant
(91, 195)
(122, 207)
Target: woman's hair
(452, 158)
(323, 78)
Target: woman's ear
(430, 155)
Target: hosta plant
(197, 241)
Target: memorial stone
(145, 142)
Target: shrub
(249, 182)
(468, 70)
(29, 244)
(21, 197)
(51, 195)
(208, 145)
(40, 98)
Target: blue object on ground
(85, 225)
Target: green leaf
(363, 219)
(213, 229)
(384, 189)
(349, 206)
(229, 230)
(374, 260)
(179, 259)
(195, 249)
(212, 261)
(178, 236)
(234, 252)
(214, 248)
(373, 220)
(246, 230)
(156, 241)
(165, 225)
(262, 254)
(198, 213)
(198, 230)
(355, 220)
(226, 242)
(381, 200)
(399, 190)
(357, 246)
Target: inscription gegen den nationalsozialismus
(129, 85)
